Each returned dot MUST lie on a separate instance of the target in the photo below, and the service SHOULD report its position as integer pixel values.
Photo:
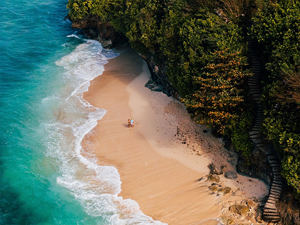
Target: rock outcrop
(103, 32)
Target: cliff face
(159, 80)
(102, 32)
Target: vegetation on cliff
(277, 29)
(203, 44)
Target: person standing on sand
(131, 122)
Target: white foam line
(82, 66)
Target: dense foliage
(277, 29)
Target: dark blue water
(45, 66)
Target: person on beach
(131, 122)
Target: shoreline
(162, 161)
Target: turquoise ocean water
(45, 66)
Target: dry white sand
(162, 158)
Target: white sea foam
(74, 35)
(95, 187)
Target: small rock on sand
(239, 209)
(213, 178)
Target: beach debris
(214, 187)
(200, 179)
(213, 170)
(224, 190)
(239, 209)
(250, 203)
(235, 192)
(213, 178)
(227, 220)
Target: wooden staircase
(270, 212)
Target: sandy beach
(163, 160)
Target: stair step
(273, 161)
(272, 199)
(276, 186)
(257, 141)
(254, 136)
(253, 133)
(277, 182)
(252, 87)
(261, 145)
(279, 189)
(276, 196)
(255, 129)
(270, 206)
(277, 179)
(270, 211)
(272, 218)
(258, 124)
(252, 82)
(275, 169)
(271, 157)
(275, 192)
(274, 164)
(270, 214)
